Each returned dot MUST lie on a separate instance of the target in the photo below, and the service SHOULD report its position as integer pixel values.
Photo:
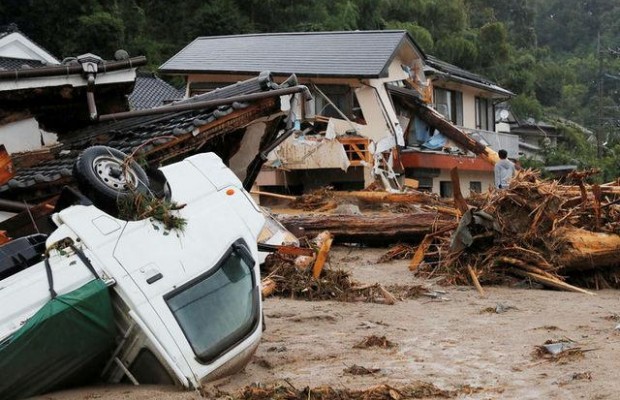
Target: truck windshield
(220, 308)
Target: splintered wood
(559, 236)
(287, 279)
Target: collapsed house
(52, 110)
(362, 129)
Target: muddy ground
(481, 348)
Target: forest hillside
(562, 57)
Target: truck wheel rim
(112, 173)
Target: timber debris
(541, 231)
(285, 279)
(564, 236)
(305, 277)
(286, 391)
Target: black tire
(99, 173)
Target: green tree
(99, 32)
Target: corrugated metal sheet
(354, 53)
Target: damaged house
(59, 109)
(372, 118)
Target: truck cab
(185, 303)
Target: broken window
(475, 187)
(485, 114)
(450, 104)
(445, 188)
(147, 369)
(340, 96)
(425, 184)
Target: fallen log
(387, 197)
(583, 250)
(369, 228)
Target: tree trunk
(585, 250)
(370, 229)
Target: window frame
(235, 337)
(454, 102)
(485, 114)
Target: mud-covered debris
(559, 351)
(399, 251)
(285, 391)
(359, 370)
(375, 341)
(333, 284)
(262, 362)
(499, 308)
(320, 198)
(404, 292)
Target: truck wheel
(101, 175)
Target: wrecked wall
(25, 135)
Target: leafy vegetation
(562, 57)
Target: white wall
(25, 135)
(485, 178)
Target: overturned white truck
(131, 300)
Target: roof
(14, 43)
(150, 91)
(452, 72)
(346, 53)
(186, 130)
(9, 63)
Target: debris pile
(286, 279)
(375, 341)
(304, 277)
(561, 352)
(539, 230)
(417, 390)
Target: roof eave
(504, 93)
(275, 73)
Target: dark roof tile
(10, 63)
(150, 91)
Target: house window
(475, 187)
(445, 189)
(450, 104)
(485, 114)
(425, 184)
(340, 95)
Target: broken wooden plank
(419, 254)
(268, 287)
(274, 195)
(321, 257)
(546, 281)
(459, 201)
(476, 282)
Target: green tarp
(65, 343)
